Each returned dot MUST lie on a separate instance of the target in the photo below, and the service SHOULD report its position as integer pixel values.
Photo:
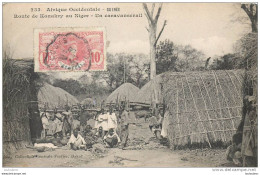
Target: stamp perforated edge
(36, 32)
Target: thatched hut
(21, 118)
(126, 92)
(53, 97)
(150, 92)
(204, 107)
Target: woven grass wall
(18, 93)
(203, 106)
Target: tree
(166, 56)
(132, 67)
(152, 21)
(71, 86)
(227, 62)
(252, 12)
(189, 59)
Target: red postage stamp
(70, 49)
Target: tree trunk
(254, 24)
(152, 38)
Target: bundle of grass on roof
(125, 92)
(19, 100)
(54, 97)
(151, 91)
(204, 107)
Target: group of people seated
(87, 139)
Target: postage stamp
(70, 49)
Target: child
(111, 139)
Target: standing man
(45, 122)
(112, 119)
(124, 127)
(68, 121)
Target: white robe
(165, 124)
(102, 121)
(111, 121)
(76, 141)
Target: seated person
(76, 141)
(100, 133)
(233, 152)
(111, 139)
(99, 146)
(89, 136)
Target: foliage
(124, 67)
(227, 62)
(70, 85)
(165, 56)
(178, 58)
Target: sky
(205, 26)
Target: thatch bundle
(53, 97)
(203, 106)
(126, 92)
(87, 102)
(20, 107)
(151, 91)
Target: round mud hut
(125, 92)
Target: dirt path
(143, 151)
(161, 157)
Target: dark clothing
(124, 135)
(112, 142)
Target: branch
(243, 6)
(148, 15)
(147, 29)
(251, 8)
(256, 11)
(152, 9)
(158, 13)
(164, 24)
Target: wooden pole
(197, 110)
(219, 105)
(185, 106)
(206, 108)
(225, 101)
(177, 107)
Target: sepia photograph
(147, 85)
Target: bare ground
(143, 151)
(161, 157)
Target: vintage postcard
(130, 85)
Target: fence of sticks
(204, 107)
(19, 104)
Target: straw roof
(19, 96)
(126, 91)
(87, 101)
(203, 106)
(55, 97)
(151, 91)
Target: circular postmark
(68, 51)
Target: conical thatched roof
(55, 97)
(87, 101)
(151, 91)
(203, 106)
(126, 91)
